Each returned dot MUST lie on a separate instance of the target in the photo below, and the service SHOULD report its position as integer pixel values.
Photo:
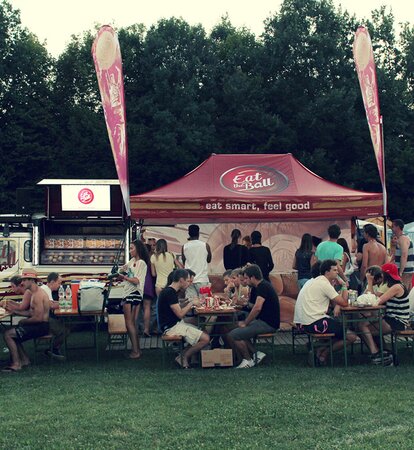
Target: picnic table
(72, 317)
(353, 314)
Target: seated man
(171, 317)
(57, 328)
(264, 317)
(36, 325)
(312, 309)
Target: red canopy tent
(252, 188)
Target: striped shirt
(399, 308)
(409, 267)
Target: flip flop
(10, 370)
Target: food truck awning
(248, 188)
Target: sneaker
(376, 358)
(258, 357)
(245, 364)
(55, 353)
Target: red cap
(392, 271)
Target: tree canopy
(190, 93)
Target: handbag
(91, 296)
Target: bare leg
(130, 314)
(366, 335)
(243, 348)
(337, 345)
(204, 340)
(24, 359)
(16, 363)
(147, 316)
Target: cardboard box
(219, 357)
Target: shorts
(395, 324)
(250, 331)
(326, 325)
(133, 299)
(189, 332)
(26, 332)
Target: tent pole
(384, 188)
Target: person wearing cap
(396, 318)
(403, 253)
(196, 255)
(36, 324)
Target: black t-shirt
(263, 258)
(303, 265)
(166, 316)
(270, 312)
(235, 257)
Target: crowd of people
(324, 279)
(326, 270)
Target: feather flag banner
(367, 76)
(106, 54)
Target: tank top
(399, 308)
(195, 253)
(409, 267)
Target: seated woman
(395, 298)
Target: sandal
(10, 370)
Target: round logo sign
(254, 180)
(85, 196)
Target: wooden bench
(319, 340)
(42, 343)
(403, 334)
(297, 330)
(168, 340)
(117, 331)
(266, 337)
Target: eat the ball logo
(85, 196)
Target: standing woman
(302, 260)
(347, 255)
(136, 271)
(163, 263)
(234, 254)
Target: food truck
(80, 233)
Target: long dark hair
(142, 251)
(235, 236)
(342, 242)
(306, 243)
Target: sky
(55, 21)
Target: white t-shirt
(313, 300)
(195, 253)
(48, 291)
(136, 269)
(298, 315)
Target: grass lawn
(122, 404)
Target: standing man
(404, 253)
(314, 305)
(330, 249)
(171, 317)
(54, 281)
(36, 324)
(196, 255)
(373, 252)
(260, 255)
(264, 317)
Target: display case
(75, 250)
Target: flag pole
(384, 188)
